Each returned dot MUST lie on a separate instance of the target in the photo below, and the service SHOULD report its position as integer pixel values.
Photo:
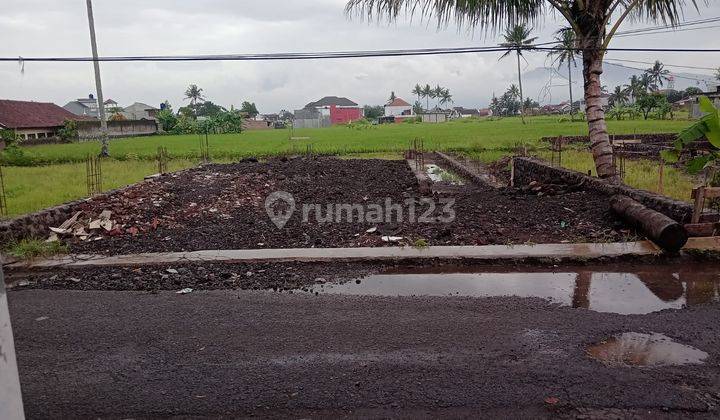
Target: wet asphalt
(89, 354)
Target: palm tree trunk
(599, 139)
(572, 114)
(522, 98)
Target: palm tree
(427, 92)
(658, 75)
(418, 91)
(445, 97)
(646, 83)
(514, 92)
(195, 95)
(619, 96)
(518, 38)
(635, 89)
(392, 97)
(594, 22)
(437, 94)
(566, 53)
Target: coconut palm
(594, 22)
(437, 94)
(427, 93)
(658, 75)
(445, 97)
(566, 53)
(195, 95)
(646, 82)
(392, 97)
(418, 91)
(517, 38)
(635, 89)
(514, 92)
(619, 96)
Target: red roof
(398, 102)
(25, 114)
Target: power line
(666, 31)
(706, 81)
(665, 64)
(342, 54)
(677, 26)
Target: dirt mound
(223, 207)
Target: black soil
(223, 207)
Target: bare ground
(223, 207)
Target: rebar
(204, 147)
(3, 197)
(93, 172)
(556, 148)
(162, 160)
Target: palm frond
(491, 15)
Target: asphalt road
(242, 353)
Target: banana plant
(709, 127)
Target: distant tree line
(203, 116)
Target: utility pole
(104, 152)
(11, 405)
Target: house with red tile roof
(33, 120)
(398, 108)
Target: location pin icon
(280, 206)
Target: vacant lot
(224, 207)
(60, 174)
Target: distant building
(695, 106)
(604, 102)
(461, 112)
(248, 124)
(398, 108)
(339, 110)
(310, 118)
(85, 107)
(34, 120)
(140, 111)
(561, 108)
(434, 117)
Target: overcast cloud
(140, 27)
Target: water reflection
(635, 349)
(641, 291)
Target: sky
(30, 28)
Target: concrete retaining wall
(527, 170)
(129, 128)
(662, 138)
(36, 225)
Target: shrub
(14, 156)
(69, 131)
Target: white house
(398, 108)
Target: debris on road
(185, 291)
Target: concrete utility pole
(11, 405)
(98, 84)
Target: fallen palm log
(662, 230)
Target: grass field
(33, 188)
(457, 135)
(61, 177)
(642, 174)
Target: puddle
(438, 174)
(635, 349)
(646, 290)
